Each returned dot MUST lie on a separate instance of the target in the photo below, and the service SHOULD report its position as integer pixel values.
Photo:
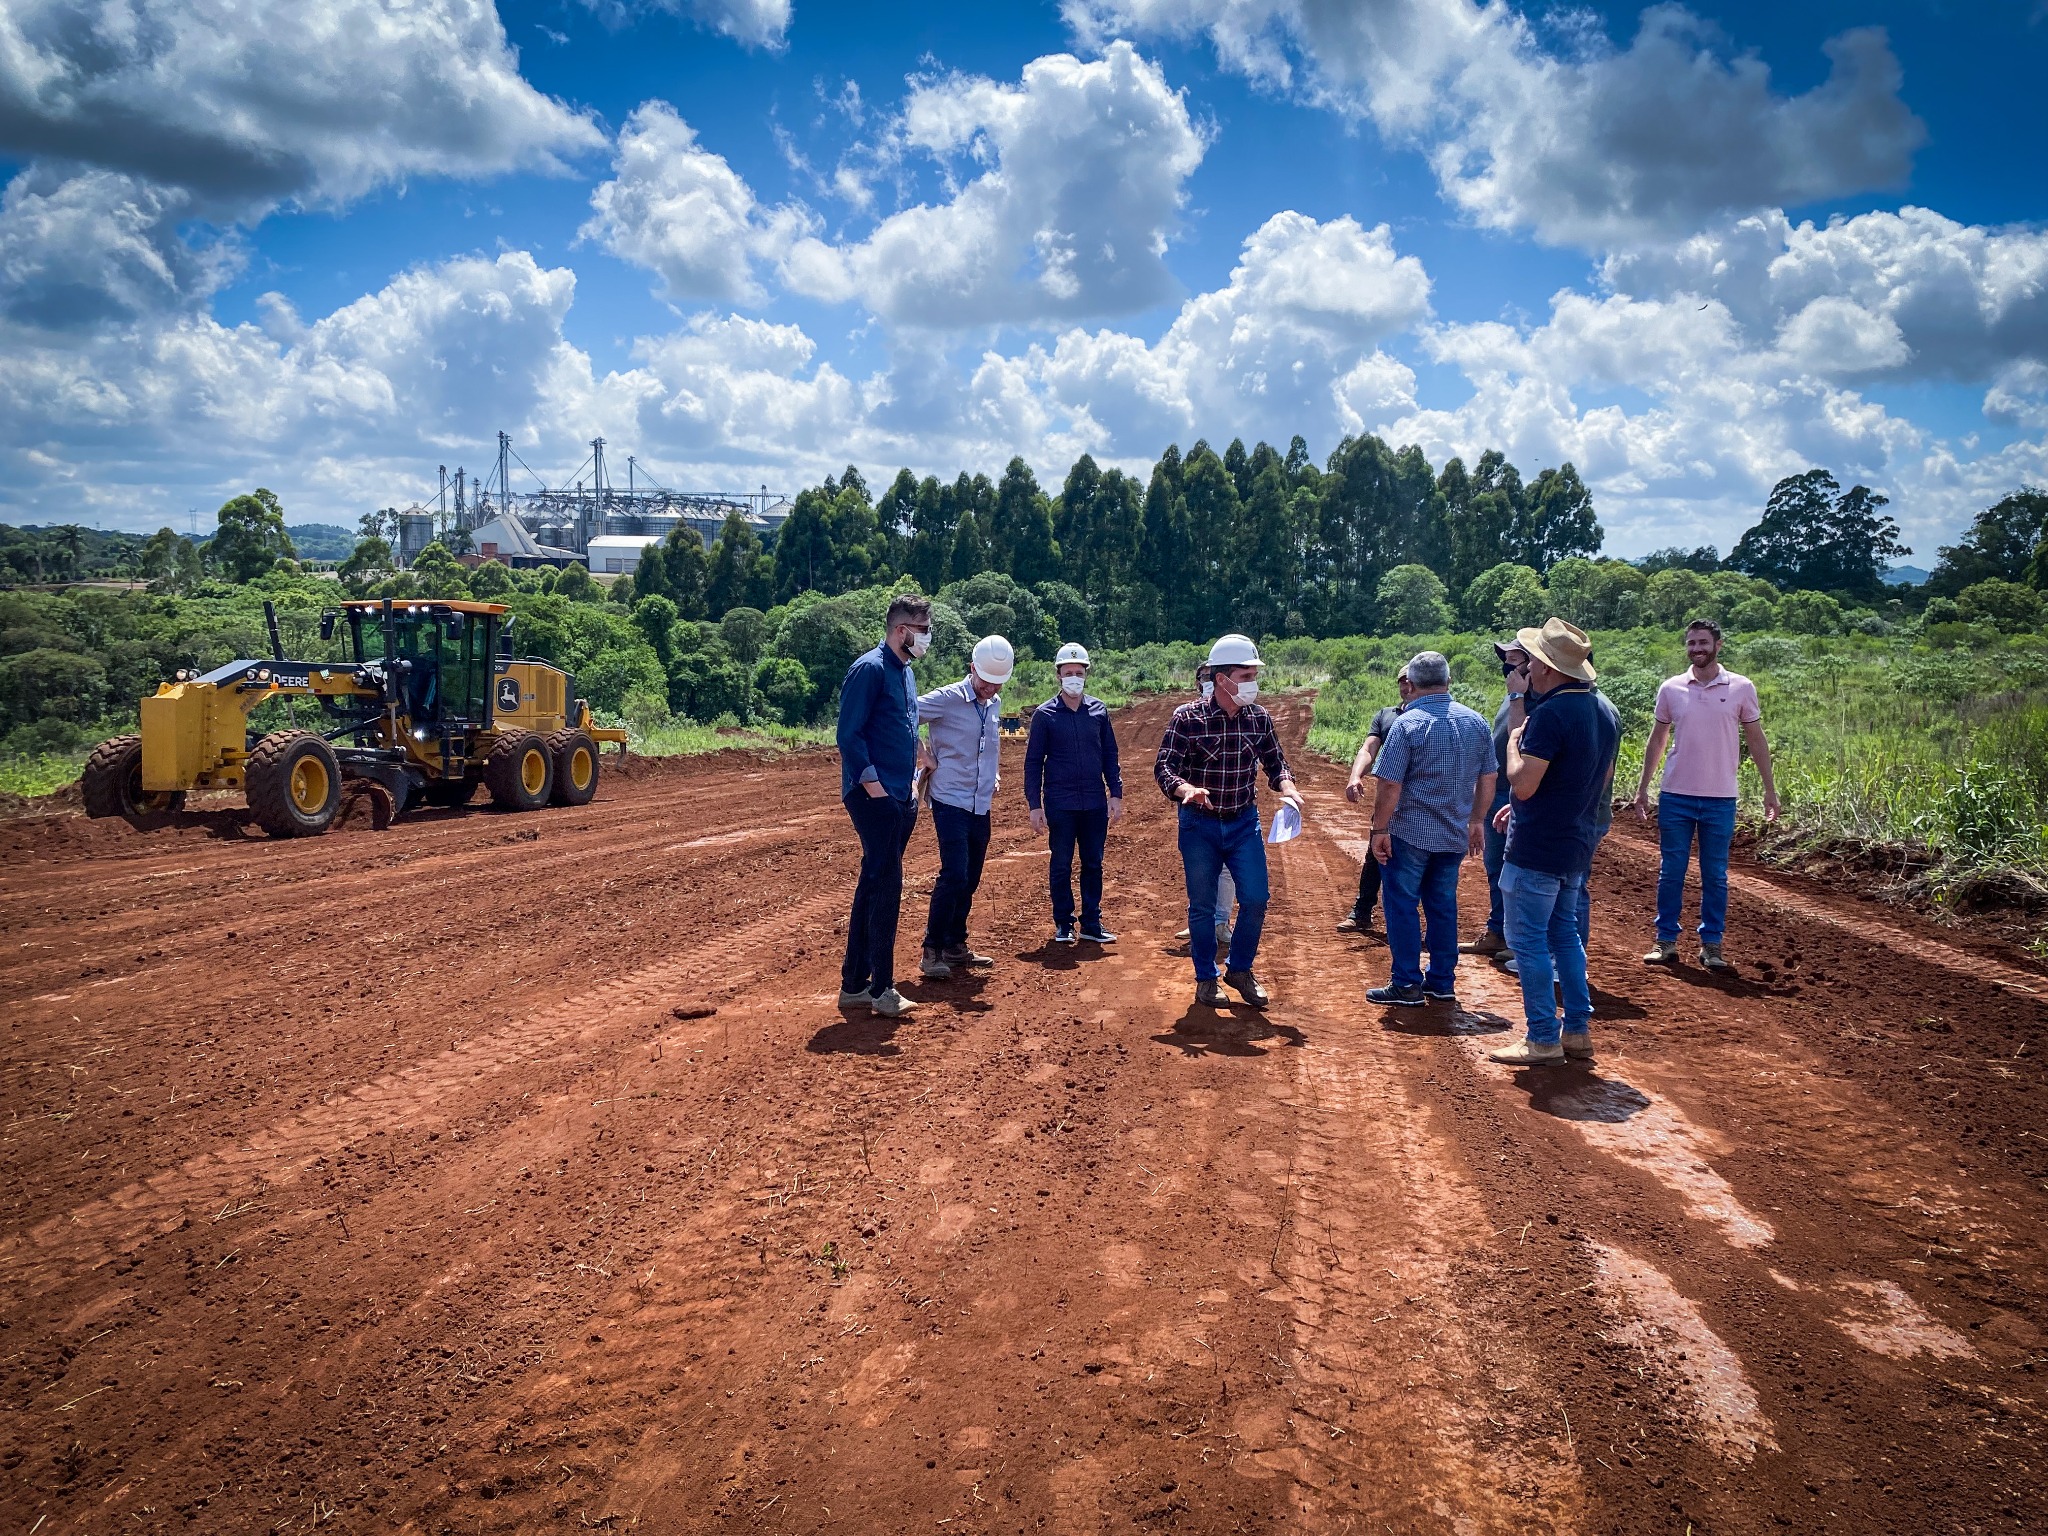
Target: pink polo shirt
(1706, 721)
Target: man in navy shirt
(877, 756)
(1560, 770)
(1069, 762)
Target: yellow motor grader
(429, 703)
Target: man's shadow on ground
(1235, 1030)
(858, 1034)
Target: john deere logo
(508, 693)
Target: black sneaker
(1063, 933)
(1095, 933)
(1443, 995)
(1396, 997)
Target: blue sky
(1689, 249)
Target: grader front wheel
(294, 784)
(111, 784)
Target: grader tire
(294, 784)
(111, 784)
(520, 772)
(575, 756)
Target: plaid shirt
(1215, 751)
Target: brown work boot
(1209, 994)
(1578, 1047)
(1246, 986)
(1488, 943)
(961, 954)
(1663, 952)
(1527, 1053)
(932, 965)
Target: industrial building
(586, 518)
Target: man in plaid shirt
(1209, 761)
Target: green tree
(1523, 601)
(490, 582)
(1200, 599)
(439, 573)
(1020, 539)
(746, 633)
(655, 617)
(824, 637)
(251, 537)
(1481, 512)
(686, 569)
(785, 688)
(367, 565)
(804, 559)
(1816, 535)
(1810, 613)
(1476, 605)
(575, 582)
(1411, 602)
(1678, 596)
(2007, 605)
(970, 550)
(1266, 561)
(734, 577)
(1069, 611)
(48, 682)
(929, 560)
(1998, 546)
(1558, 523)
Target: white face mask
(1072, 686)
(1208, 692)
(1247, 692)
(920, 641)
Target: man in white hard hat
(1209, 762)
(963, 724)
(1075, 788)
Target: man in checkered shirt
(1209, 761)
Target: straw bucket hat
(1561, 646)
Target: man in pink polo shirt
(1712, 712)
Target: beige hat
(1561, 646)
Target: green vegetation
(1926, 754)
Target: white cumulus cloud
(682, 212)
(1584, 143)
(1075, 177)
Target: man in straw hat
(1560, 767)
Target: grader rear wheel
(575, 756)
(111, 784)
(294, 784)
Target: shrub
(1411, 601)
(785, 687)
(1810, 613)
(2006, 605)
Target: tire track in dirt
(48, 1254)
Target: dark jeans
(963, 845)
(1088, 830)
(1422, 885)
(1208, 846)
(1495, 855)
(1368, 888)
(884, 824)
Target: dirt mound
(508, 1173)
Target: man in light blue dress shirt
(962, 757)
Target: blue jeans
(1208, 846)
(1417, 884)
(963, 846)
(1586, 899)
(1088, 830)
(1495, 855)
(1542, 913)
(884, 824)
(1681, 818)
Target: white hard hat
(1234, 651)
(994, 661)
(1071, 652)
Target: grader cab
(428, 704)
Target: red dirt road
(371, 1184)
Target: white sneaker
(892, 1004)
(856, 1000)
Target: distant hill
(321, 541)
(1897, 576)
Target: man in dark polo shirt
(1560, 767)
